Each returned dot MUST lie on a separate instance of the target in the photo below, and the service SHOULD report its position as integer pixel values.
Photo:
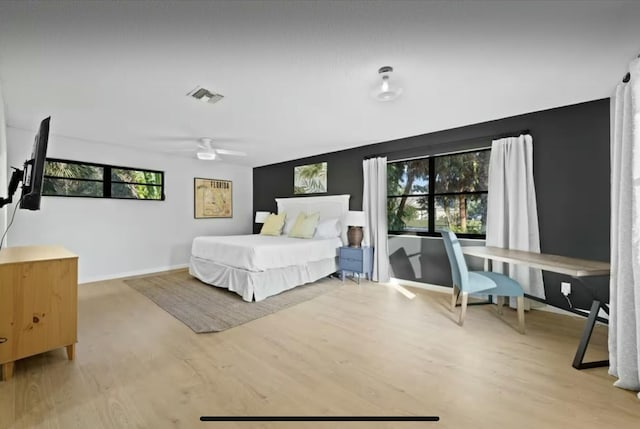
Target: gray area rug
(206, 308)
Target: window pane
(136, 176)
(139, 192)
(70, 187)
(408, 177)
(408, 214)
(72, 170)
(465, 172)
(464, 213)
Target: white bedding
(258, 285)
(260, 252)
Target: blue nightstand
(357, 260)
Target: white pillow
(289, 222)
(328, 228)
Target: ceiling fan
(206, 151)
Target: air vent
(205, 95)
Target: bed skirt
(258, 285)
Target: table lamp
(261, 217)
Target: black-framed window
(430, 194)
(66, 178)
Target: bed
(257, 266)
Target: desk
(574, 267)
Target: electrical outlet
(565, 288)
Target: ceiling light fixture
(207, 156)
(204, 95)
(387, 91)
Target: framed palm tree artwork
(310, 178)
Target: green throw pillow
(273, 225)
(305, 225)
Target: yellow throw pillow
(273, 225)
(305, 225)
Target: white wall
(3, 164)
(115, 238)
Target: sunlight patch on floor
(395, 285)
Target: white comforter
(261, 252)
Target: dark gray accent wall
(571, 172)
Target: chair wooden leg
(463, 307)
(520, 305)
(454, 297)
(500, 303)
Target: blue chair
(479, 282)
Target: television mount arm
(16, 178)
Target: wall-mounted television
(33, 173)
(34, 169)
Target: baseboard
(447, 290)
(132, 273)
(552, 309)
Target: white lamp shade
(354, 219)
(261, 217)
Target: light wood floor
(361, 350)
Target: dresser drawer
(354, 253)
(351, 265)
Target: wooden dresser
(38, 302)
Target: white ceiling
(297, 76)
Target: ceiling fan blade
(230, 152)
(186, 149)
(174, 138)
(195, 138)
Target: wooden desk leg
(71, 351)
(7, 371)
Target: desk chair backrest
(459, 270)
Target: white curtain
(512, 213)
(624, 318)
(374, 205)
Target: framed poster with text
(212, 198)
